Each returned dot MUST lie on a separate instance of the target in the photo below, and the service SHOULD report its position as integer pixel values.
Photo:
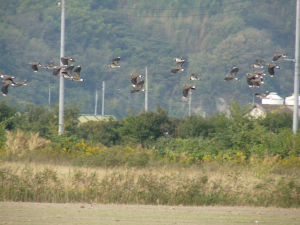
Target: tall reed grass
(20, 144)
(166, 175)
(233, 186)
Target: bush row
(196, 135)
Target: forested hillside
(212, 35)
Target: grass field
(53, 213)
(211, 184)
(34, 193)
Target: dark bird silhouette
(6, 77)
(260, 73)
(258, 81)
(177, 67)
(232, 74)
(250, 78)
(257, 65)
(186, 89)
(76, 74)
(34, 66)
(5, 85)
(66, 59)
(254, 80)
(264, 95)
(194, 76)
(57, 70)
(138, 87)
(134, 77)
(66, 73)
(278, 56)
(18, 84)
(260, 61)
(178, 59)
(50, 66)
(114, 63)
(271, 67)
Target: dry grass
(19, 143)
(211, 184)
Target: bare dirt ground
(53, 213)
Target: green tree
(35, 119)
(6, 115)
(2, 135)
(275, 121)
(194, 126)
(145, 126)
(105, 132)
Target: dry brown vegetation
(20, 142)
(210, 184)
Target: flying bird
(278, 56)
(34, 66)
(250, 78)
(232, 74)
(50, 66)
(257, 65)
(76, 74)
(5, 85)
(258, 81)
(177, 67)
(66, 73)
(178, 59)
(65, 60)
(260, 60)
(57, 70)
(138, 87)
(194, 76)
(6, 77)
(18, 84)
(271, 67)
(254, 80)
(261, 73)
(186, 89)
(264, 95)
(134, 77)
(114, 63)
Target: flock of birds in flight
(254, 79)
(7, 80)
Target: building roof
(261, 109)
(274, 108)
(274, 96)
(89, 117)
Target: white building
(290, 100)
(273, 99)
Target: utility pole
(103, 92)
(96, 101)
(146, 87)
(190, 101)
(296, 76)
(62, 84)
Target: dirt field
(52, 213)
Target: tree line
(196, 134)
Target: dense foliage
(192, 137)
(213, 36)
